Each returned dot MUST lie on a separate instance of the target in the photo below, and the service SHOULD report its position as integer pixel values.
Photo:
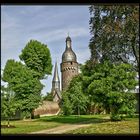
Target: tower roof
(68, 54)
(56, 76)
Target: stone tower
(56, 85)
(69, 65)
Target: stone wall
(69, 70)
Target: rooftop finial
(68, 38)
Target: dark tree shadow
(73, 119)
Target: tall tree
(65, 103)
(24, 79)
(115, 33)
(37, 57)
(111, 85)
(9, 105)
(74, 99)
(27, 88)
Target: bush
(116, 117)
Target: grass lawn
(129, 126)
(100, 124)
(24, 127)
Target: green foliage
(48, 97)
(11, 70)
(114, 42)
(115, 33)
(74, 100)
(129, 104)
(37, 57)
(108, 84)
(27, 88)
(67, 107)
(9, 106)
(24, 79)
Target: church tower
(69, 65)
(56, 85)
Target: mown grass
(101, 124)
(24, 127)
(126, 127)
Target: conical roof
(56, 76)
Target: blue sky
(49, 25)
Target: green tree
(37, 57)
(9, 105)
(27, 88)
(74, 95)
(115, 33)
(48, 97)
(24, 79)
(65, 103)
(108, 84)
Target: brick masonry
(68, 71)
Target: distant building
(69, 65)
(69, 69)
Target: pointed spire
(56, 76)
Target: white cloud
(59, 34)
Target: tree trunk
(24, 118)
(30, 116)
(107, 110)
(135, 51)
(8, 123)
(78, 111)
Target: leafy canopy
(37, 57)
(115, 33)
(24, 79)
(27, 88)
(74, 100)
(111, 84)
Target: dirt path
(61, 129)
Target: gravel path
(61, 129)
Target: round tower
(69, 65)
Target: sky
(48, 24)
